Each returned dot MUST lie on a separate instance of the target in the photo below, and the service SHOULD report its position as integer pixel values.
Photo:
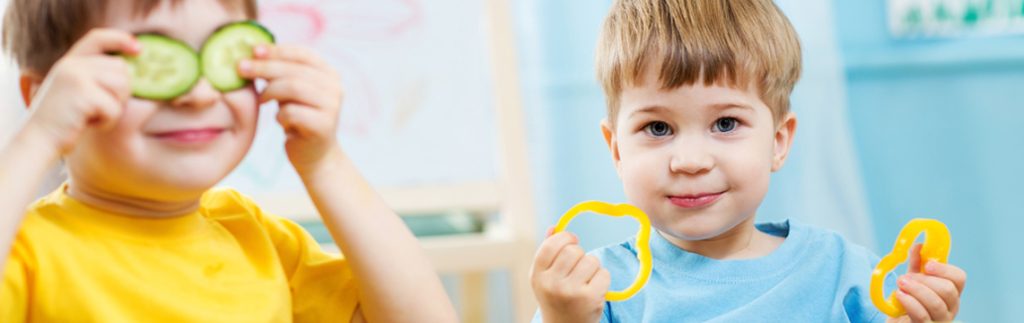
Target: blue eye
(658, 129)
(726, 124)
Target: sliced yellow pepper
(936, 248)
(642, 240)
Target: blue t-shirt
(815, 275)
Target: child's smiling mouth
(190, 137)
(695, 201)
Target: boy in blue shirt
(698, 119)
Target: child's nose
(202, 95)
(691, 158)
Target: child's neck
(129, 205)
(743, 241)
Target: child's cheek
(642, 172)
(244, 107)
(134, 117)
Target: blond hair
(36, 33)
(735, 42)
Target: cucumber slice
(166, 68)
(226, 47)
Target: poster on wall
(955, 18)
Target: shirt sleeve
(14, 292)
(859, 305)
(605, 316)
(323, 288)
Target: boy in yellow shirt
(138, 234)
(698, 119)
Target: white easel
(507, 243)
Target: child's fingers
(104, 40)
(585, 269)
(602, 280)
(942, 287)
(915, 310)
(108, 110)
(303, 120)
(914, 263)
(934, 305)
(550, 248)
(950, 272)
(567, 259)
(550, 231)
(276, 69)
(111, 74)
(295, 89)
(294, 54)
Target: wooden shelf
(471, 197)
(466, 253)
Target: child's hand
(569, 284)
(308, 91)
(931, 294)
(87, 87)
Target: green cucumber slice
(226, 47)
(166, 68)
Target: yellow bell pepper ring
(643, 245)
(936, 248)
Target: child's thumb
(573, 238)
(914, 264)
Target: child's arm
(23, 165)
(395, 281)
(85, 88)
(569, 284)
(931, 293)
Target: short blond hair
(735, 42)
(36, 33)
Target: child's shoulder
(225, 204)
(622, 254)
(826, 242)
(803, 242)
(222, 202)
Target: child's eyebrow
(730, 105)
(651, 109)
(657, 109)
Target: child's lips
(190, 136)
(696, 200)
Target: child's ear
(783, 140)
(613, 144)
(29, 82)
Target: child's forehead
(189, 20)
(141, 9)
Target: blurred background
(907, 108)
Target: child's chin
(697, 231)
(194, 172)
(692, 235)
(197, 180)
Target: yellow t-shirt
(226, 262)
